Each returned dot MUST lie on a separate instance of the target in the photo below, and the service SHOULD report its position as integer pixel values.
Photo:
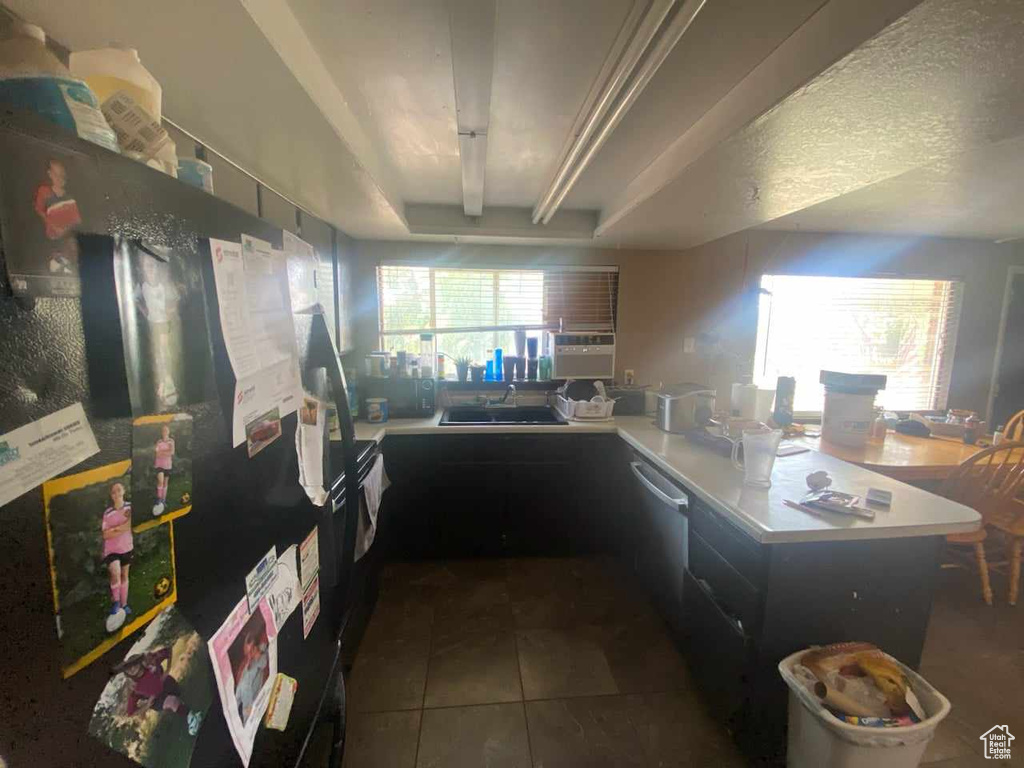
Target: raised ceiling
(846, 115)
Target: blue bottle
(489, 371)
(498, 363)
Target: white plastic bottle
(32, 78)
(109, 70)
(132, 101)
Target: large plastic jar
(109, 70)
(32, 78)
(847, 417)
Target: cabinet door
(718, 650)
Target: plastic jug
(32, 78)
(109, 70)
(759, 448)
(132, 101)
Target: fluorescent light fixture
(654, 37)
(473, 154)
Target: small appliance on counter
(629, 400)
(682, 407)
(406, 398)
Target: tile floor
(558, 663)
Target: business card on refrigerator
(37, 452)
(309, 558)
(310, 606)
(260, 580)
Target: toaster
(684, 407)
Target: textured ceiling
(943, 80)
(840, 115)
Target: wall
(637, 273)
(666, 296)
(717, 285)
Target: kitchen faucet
(503, 401)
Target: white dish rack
(584, 410)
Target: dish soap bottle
(32, 78)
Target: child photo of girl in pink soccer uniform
(162, 456)
(110, 571)
(118, 549)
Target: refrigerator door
(240, 506)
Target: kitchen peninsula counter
(761, 514)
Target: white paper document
(37, 452)
(285, 594)
(256, 397)
(268, 302)
(260, 579)
(309, 445)
(244, 656)
(302, 265)
(229, 277)
(254, 301)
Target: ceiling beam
(831, 33)
(285, 34)
(449, 220)
(471, 24)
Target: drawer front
(736, 596)
(741, 551)
(719, 653)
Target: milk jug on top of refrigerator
(32, 78)
(131, 100)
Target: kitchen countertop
(761, 513)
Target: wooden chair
(989, 482)
(1014, 429)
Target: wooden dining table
(924, 460)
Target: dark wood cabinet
(748, 605)
(517, 494)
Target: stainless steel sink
(461, 415)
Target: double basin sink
(477, 414)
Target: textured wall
(665, 296)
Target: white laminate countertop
(761, 513)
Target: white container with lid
(113, 69)
(132, 101)
(849, 407)
(32, 78)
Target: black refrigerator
(59, 350)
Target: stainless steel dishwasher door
(662, 541)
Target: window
(905, 329)
(472, 310)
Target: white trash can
(818, 739)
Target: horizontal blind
(905, 329)
(417, 299)
(581, 297)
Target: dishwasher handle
(680, 504)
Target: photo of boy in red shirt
(60, 215)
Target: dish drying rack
(584, 410)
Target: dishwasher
(662, 546)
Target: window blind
(582, 297)
(416, 299)
(903, 328)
